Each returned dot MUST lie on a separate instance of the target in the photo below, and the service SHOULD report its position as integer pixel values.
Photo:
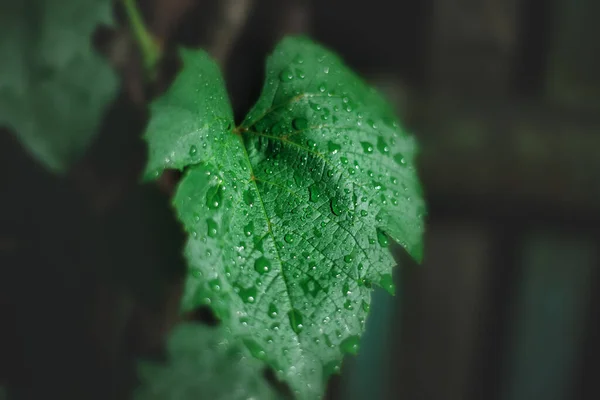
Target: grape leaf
(203, 364)
(54, 87)
(289, 213)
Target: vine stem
(149, 46)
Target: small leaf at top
(203, 363)
(54, 88)
(289, 214)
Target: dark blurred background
(504, 97)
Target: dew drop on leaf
(348, 305)
(348, 258)
(399, 158)
(193, 150)
(213, 228)
(262, 265)
(333, 147)
(365, 306)
(286, 75)
(248, 295)
(273, 310)
(215, 284)
(249, 197)
(382, 238)
(314, 193)
(214, 197)
(196, 273)
(255, 349)
(300, 123)
(289, 238)
(350, 345)
(382, 146)
(249, 229)
(295, 320)
(335, 207)
(367, 147)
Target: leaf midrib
(270, 230)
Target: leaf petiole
(148, 44)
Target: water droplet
(214, 197)
(348, 305)
(314, 106)
(335, 207)
(300, 124)
(196, 273)
(273, 310)
(346, 289)
(382, 146)
(382, 238)
(215, 284)
(364, 213)
(286, 75)
(262, 265)
(295, 320)
(213, 228)
(333, 147)
(367, 147)
(350, 345)
(289, 238)
(249, 229)
(255, 349)
(399, 158)
(193, 150)
(365, 306)
(387, 283)
(249, 197)
(314, 193)
(248, 295)
(322, 88)
(331, 368)
(348, 258)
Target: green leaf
(289, 214)
(204, 363)
(54, 88)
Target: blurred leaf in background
(54, 87)
(203, 363)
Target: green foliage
(203, 363)
(54, 88)
(289, 213)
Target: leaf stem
(149, 46)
